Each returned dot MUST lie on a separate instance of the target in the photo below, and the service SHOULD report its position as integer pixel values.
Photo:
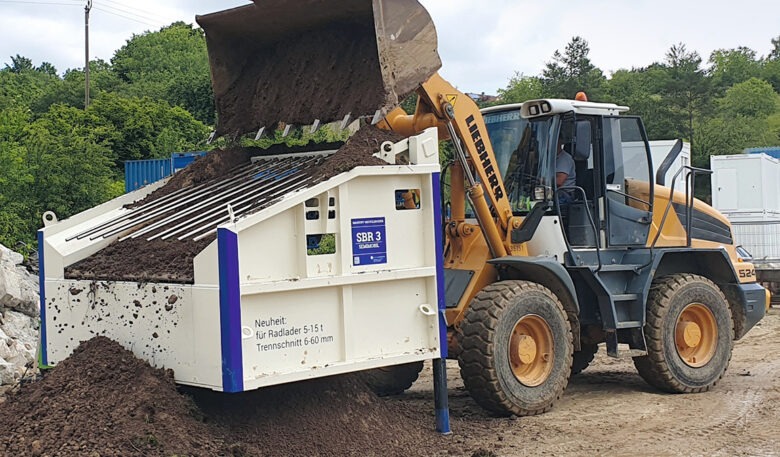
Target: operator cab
(610, 153)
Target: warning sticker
(368, 241)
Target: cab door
(626, 159)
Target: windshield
(522, 148)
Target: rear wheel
(516, 348)
(689, 335)
(583, 358)
(392, 380)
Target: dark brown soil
(103, 401)
(170, 261)
(323, 74)
(357, 151)
(213, 165)
(334, 416)
(136, 259)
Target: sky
(482, 43)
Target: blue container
(773, 151)
(139, 173)
(182, 159)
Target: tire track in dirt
(608, 409)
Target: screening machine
(304, 279)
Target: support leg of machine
(440, 396)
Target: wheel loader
(535, 275)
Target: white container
(659, 149)
(263, 308)
(745, 183)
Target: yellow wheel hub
(696, 335)
(531, 350)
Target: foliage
(172, 65)
(142, 128)
(572, 71)
(154, 97)
(522, 88)
(733, 66)
(732, 105)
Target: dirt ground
(608, 409)
(104, 402)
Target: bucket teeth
(345, 122)
(315, 126)
(377, 117)
(211, 137)
(260, 133)
(287, 129)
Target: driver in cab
(565, 174)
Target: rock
(19, 311)
(18, 288)
(10, 257)
(18, 346)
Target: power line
(40, 3)
(133, 10)
(111, 9)
(126, 17)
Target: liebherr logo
(495, 185)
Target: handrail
(590, 219)
(689, 199)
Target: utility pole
(86, 53)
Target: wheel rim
(531, 350)
(696, 335)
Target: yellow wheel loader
(536, 274)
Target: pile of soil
(103, 401)
(170, 261)
(323, 73)
(136, 259)
(357, 151)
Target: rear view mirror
(582, 146)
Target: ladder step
(625, 297)
(629, 324)
(620, 267)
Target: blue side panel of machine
(230, 311)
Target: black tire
(583, 357)
(484, 338)
(663, 367)
(392, 380)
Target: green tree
(643, 90)
(70, 165)
(688, 89)
(170, 64)
(21, 84)
(733, 66)
(69, 90)
(142, 128)
(572, 71)
(754, 98)
(521, 88)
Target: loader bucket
(297, 61)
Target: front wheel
(516, 348)
(689, 335)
